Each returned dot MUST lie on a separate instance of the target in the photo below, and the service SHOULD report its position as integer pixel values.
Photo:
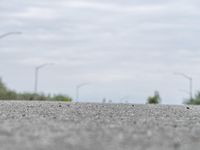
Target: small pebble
(177, 144)
(188, 107)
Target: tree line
(7, 94)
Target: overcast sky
(124, 49)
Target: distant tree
(154, 99)
(194, 101)
(3, 87)
(5, 93)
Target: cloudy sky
(124, 49)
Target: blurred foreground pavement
(76, 126)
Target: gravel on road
(26, 125)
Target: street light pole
(8, 34)
(78, 88)
(37, 74)
(190, 83)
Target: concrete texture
(79, 126)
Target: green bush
(61, 97)
(154, 99)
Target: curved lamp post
(8, 34)
(190, 82)
(37, 74)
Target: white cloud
(111, 6)
(36, 13)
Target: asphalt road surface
(79, 126)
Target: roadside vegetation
(7, 94)
(194, 101)
(155, 99)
